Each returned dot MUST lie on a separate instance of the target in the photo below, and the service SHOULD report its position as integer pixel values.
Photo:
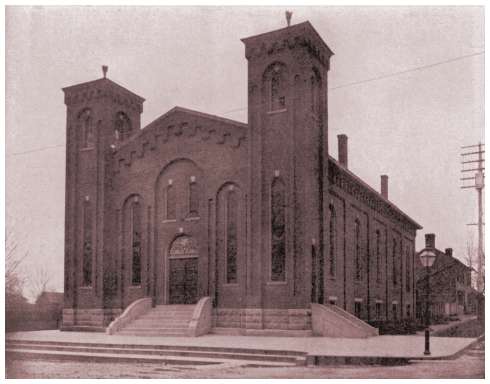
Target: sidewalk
(405, 347)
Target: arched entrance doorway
(183, 273)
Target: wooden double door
(183, 280)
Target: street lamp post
(427, 257)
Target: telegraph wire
(381, 77)
(369, 80)
(35, 150)
(394, 74)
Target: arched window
(87, 244)
(170, 202)
(278, 230)
(193, 198)
(408, 275)
(395, 277)
(378, 256)
(87, 134)
(357, 234)
(123, 126)
(315, 93)
(333, 240)
(275, 77)
(231, 236)
(136, 243)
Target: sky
(406, 86)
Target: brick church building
(257, 217)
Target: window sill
(193, 218)
(87, 149)
(277, 111)
(230, 285)
(86, 287)
(135, 286)
(276, 283)
(169, 221)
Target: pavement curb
(454, 355)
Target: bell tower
(287, 115)
(101, 115)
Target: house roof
(442, 262)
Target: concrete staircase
(332, 321)
(148, 353)
(162, 320)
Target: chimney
(430, 240)
(449, 252)
(342, 150)
(384, 186)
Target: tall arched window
(136, 243)
(87, 134)
(275, 79)
(357, 234)
(278, 230)
(123, 126)
(333, 240)
(170, 202)
(408, 275)
(395, 277)
(87, 244)
(315, 93)
(231, 236)
(193, 198)
(378, 256)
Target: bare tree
(471, 259)
(39, 282)
(14, 278)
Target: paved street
(469, 365)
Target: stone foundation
(94, 317)
(257, 318)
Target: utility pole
(474, 154)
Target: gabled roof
(185, 111)
(442, 262)
(104, 82)
(304, 28)
(197, 114)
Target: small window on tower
(122, 128)
(87, 129)
(276, 78)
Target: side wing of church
(257, 217)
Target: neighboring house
(258, 217)
(50, 300)
(450, 287)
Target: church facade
(258, 217)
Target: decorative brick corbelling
(349, 184)
(83, 95)
(162, 134)
(293, 42)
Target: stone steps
(150, 323)
(152, 353)
(162, 320)
(158, 346)
(152, 332)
